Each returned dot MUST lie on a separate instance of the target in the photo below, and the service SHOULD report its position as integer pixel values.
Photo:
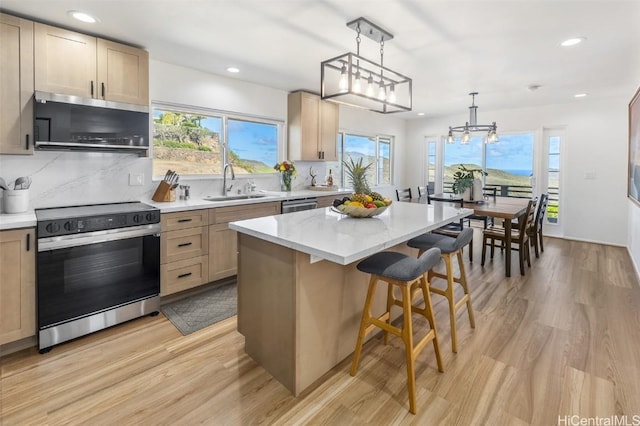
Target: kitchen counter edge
(10, 221)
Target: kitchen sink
(233, 197)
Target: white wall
(596, 131)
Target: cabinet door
(123, 73)
(310, 122)
(65, 62)
(329, 114)
(17, 289)
(223, 252)
(16, 85)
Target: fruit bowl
(360, 212)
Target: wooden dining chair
(519, 237)
(403, 194)
(535, 233)
(422, 190)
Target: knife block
(164, 193)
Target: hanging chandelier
(472, 126)
(354, 80)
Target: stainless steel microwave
(65, 122)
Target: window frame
(224, 116)
(391, 141)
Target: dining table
(505, 208)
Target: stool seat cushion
(399, 266)
(445, 243)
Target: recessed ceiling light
(82, 16)
(572, 41)
(233, 70)
(580, 95)
(421, 114)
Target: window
(553, 179)
(194, 141)
(431, 164)
(508, 162)
(374, 150)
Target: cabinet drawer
(184, 220)
(183, 244)
(183, 275)
(233, 213)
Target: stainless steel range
(98, 266)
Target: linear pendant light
(354, 80)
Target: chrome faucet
(226, 189)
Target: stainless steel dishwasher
(299, 205)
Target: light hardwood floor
(563, 340)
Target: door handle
(26, 141)
(184, 275)
(102, 90)
(28, 241)
(184, 244)
(92, 88)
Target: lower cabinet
(184, 249)
(326, 201)
(223, 242)
(17, 285)
(197, 246)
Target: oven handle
(66, 241)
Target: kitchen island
(300, 295)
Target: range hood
(64, 122)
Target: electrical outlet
(136, 179)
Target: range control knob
(137, 218)
(52, 227)
(70, 225)
(151, 217)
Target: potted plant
(464, 181)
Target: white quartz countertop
(197, 203)
(17, 220)
(328, 234)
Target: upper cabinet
(76, 64)
(16, 85)
(313, 128)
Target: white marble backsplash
(63, 178)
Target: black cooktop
(57, 221)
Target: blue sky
(511, 152)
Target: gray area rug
(201, 310)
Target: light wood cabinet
(223, 242)
(312, 128)
(18, 285)
(327, 201)
(76, 64)
(16, 85)
(184, 248)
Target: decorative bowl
(360, 212)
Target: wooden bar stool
(398, 269)
(449, 248)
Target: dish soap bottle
(329, 179)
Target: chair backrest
(422, 190)
(542, 209)
(528, 219)
(403, 194)
(490, 191)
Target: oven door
(88, 273)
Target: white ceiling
(449, 48)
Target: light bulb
(392, 93)
(450, 137)
(370, 86)
(382, 92)
(466, 137)
(357, 84)
(344, 83)
(492, 137)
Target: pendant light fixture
(354, 80)
(472, 126)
